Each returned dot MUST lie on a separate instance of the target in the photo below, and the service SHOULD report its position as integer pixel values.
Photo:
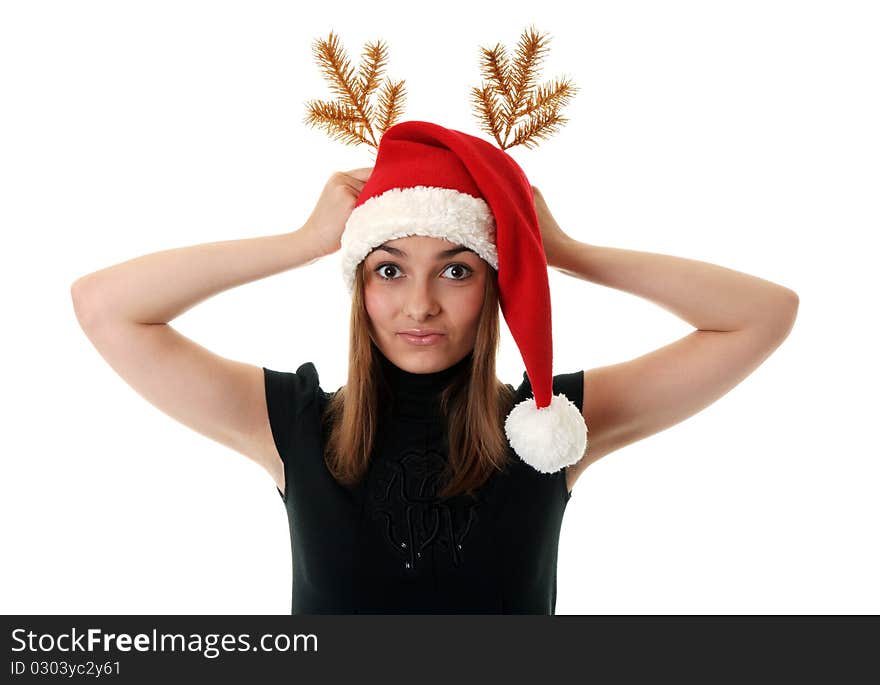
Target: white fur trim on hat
(550, 438)
(420, 210)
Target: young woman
(402, 492)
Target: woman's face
(411, 284)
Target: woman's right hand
(327, 221)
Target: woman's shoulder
(570, 384)
(290, 392)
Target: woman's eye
(461, 268)
(381, 270)
(463, 271)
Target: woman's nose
(421, 299)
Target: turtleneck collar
(417, 395)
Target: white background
(739, 133)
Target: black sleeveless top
(388, 545)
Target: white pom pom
(550, 438)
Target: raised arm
(739, 320)
(125, 311)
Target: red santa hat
(434, 181)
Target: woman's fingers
(361, 174)
(358, 178)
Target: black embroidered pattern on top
(412, 517)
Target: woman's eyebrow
(440, 255)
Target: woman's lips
(422, 339)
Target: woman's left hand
(554, 238)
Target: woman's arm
(125, 309)
(159, 287)
(707, 296)
(739, 320)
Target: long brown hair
(474, 404)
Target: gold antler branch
(514, 85)
(351, 118)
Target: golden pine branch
(515, 85)
(351, 117)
